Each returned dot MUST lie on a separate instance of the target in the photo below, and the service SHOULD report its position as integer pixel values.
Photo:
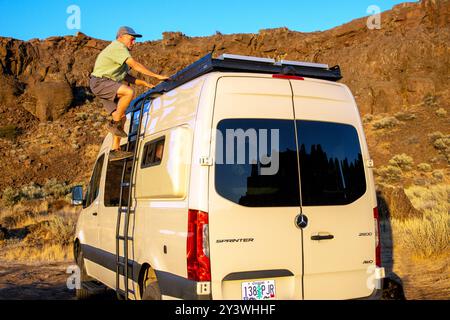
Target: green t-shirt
(111, 62)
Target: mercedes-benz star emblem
(301, 221)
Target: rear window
(257, 163)
(331, 164)
(245, 182)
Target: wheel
(152, 292)
(151, 287)
(82, 293)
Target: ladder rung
(122, 264)
(125, 210)
(122, 292)
(135, 134)
(123, 238)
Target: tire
(82, 294)
(150, 285)
(152, 291)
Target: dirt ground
(425, 280)
(34, 282)
(412, 278)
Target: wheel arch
(145, 272)
(76, 249)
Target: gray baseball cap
(127, 30)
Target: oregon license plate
(258, 290)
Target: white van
(251, 180)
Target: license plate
(258, 290)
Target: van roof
(236, 63)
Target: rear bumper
(181, 288)
(376, 295)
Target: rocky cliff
(57, 125)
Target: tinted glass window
(246, 177)
(135, 122)
(153, 153)
(113, 181)
(94, 185)
(331, 164)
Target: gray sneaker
(116, 129)
(117, 155)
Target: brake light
(284, 76)
(377, 237)
(197, 248)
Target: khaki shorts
(106, 90)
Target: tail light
(197, 249)
(288, 77)
(377, 237)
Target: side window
(94, 185)
(153, 153)
(135, 122)
(112, 183)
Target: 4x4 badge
(301, 221)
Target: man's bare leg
(125, 94)
(116, 143)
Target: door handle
(94, 214)
(321, 238)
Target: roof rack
(237, 63)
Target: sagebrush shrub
(386, 123)
(390, 173)
(442, 113)
(402, 161)
(405, 116)
(425, 167)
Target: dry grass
(50, 253)
(37, 235)
(51, 190)
(430, 235)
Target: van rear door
(339, 242)
(255, 246)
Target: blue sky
(27, 19)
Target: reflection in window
(113, 183)
(94, 185)
(153, 153)
(243, 183)
(331, 164)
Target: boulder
(53, 99)
(171, 39)
(9, 90)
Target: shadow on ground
(393, 284)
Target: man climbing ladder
(111, 69)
